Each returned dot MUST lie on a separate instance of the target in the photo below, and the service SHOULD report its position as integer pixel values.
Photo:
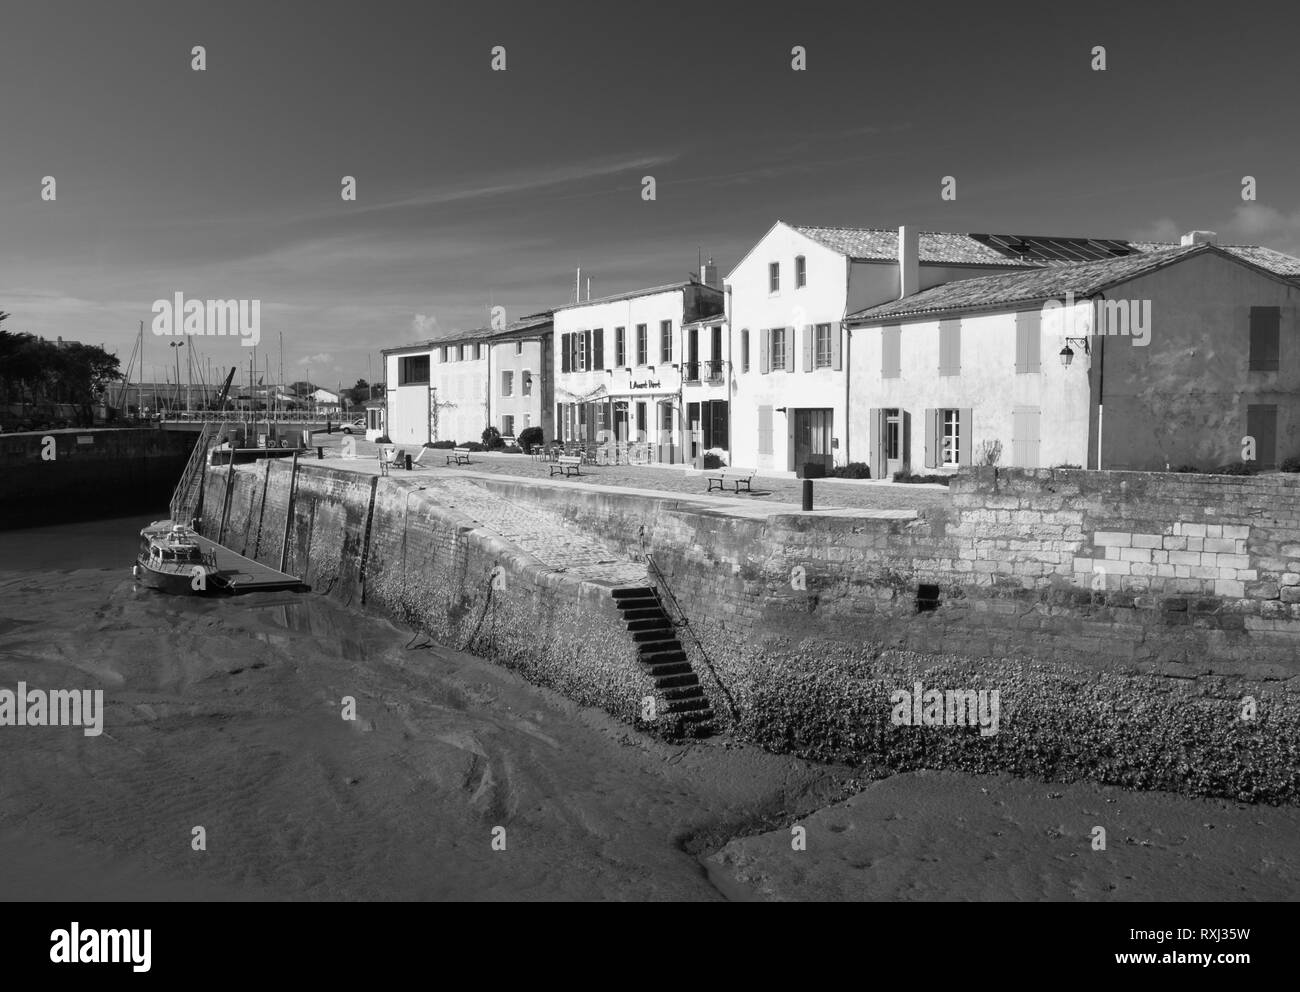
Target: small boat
(171, 560)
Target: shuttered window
(778, 349)
(950, 347)
(1025, 442)
(822, 344)
(947, 438)
(1029, 341)
(891, 352)
(764, 430)
(1261, 424)
(1265, 323)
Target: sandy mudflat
(226, 714)
(938, 835)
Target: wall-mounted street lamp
(1067, 353)
(780, 409)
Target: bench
(568, 465)
(459, 455)
(737, 476)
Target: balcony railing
(712, 371)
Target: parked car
(358, 425)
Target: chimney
(709, 274)
(909, 261)
(1200, 238)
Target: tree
(45, 373)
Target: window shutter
(837, 361)
(1028, 341)
(876, 442)
(564, 353)
(949, 347)
(764, 350)
(931, 438)
(809, 345)
(906, 453)
(789, 349)
(890, 347)
(964, 422)
(598, 344)
(1264, 326)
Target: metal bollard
(408, 464)
(320, 451)
(807, 494)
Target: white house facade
(789, 297)
(618, 363)
(451, 388)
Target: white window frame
(775, 350)
(800, 271)
(821, 360)
(950, 438)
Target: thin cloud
(1250, 223)
(522, 182)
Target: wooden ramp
(244, 574)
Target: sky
(480, 188)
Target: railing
(661, 582)
(183, 502)
(711, 371)
(259, 417)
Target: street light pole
(177, 354)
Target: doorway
(812, 438)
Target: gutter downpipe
(731, 371)
(1100, 351)
(848, 414)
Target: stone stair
(682, 704)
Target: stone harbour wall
(812, 621)
(1129, 670)
(383, 543)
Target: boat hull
(175, 583)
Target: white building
(619, 364)
(1192, 341)
(789, 297)
(451, 388)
